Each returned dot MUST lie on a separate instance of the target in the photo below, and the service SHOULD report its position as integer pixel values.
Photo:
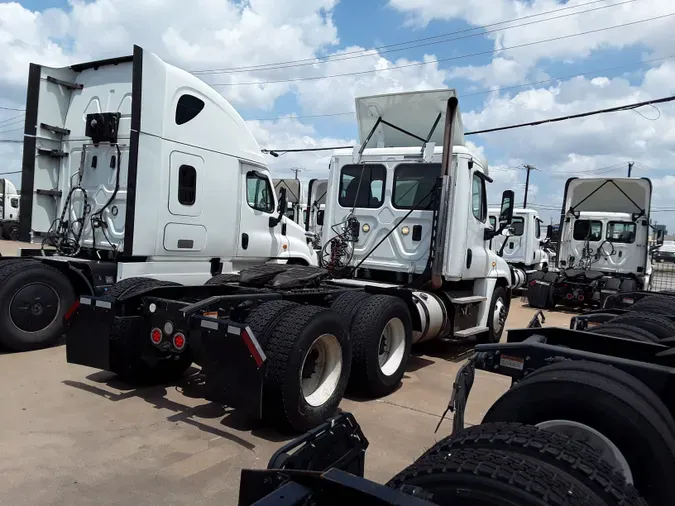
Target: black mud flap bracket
(88, 324)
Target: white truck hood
(619, 195)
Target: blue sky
(219, 34)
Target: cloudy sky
(293, 67)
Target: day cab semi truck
(604, 244)
(524, 244)
(405, 261)
(9, 211)
(133, 168)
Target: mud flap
(232, 361)
(88, 324)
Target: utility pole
(630, 167)
(529, 168)
(295, 171)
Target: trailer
(284, 342)
(497, 464)
(134, 168)
(604, 244)
(9, 211)
(609, 385)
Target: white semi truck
(406, 260)
(134, 168)
(523, 246)
(604, 243)
(9, 211)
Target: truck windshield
(587, 230)
(621, 231)
(414, 185)
(366, 179)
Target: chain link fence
(663, 276)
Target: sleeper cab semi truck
(406, 261)
(133, 168)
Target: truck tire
(347, 304)
(264, 318)
(498, 312)
(660, 327)
(655, 304)
(381, 334)
(627, 381)
(308, 362)
(491, 477)
(128, 364)
(621, 424)
(557, 450)
(34, 298)
(221, 279)
(129, 287)
(11, 231)
(625, 331)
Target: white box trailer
(134, 168)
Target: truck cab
(401, 205)
(135, 168)
(604, 243)
(525, 240)
(9, 210)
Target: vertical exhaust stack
(441, 231)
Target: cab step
(472, 331)
(471, 299)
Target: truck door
(257, 240)
(476, 259)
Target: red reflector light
(156, 336)
(569, 296)
(179, 341)
(581, 297)
(69, 314)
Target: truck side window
(586, 229)
(187, 185)
(14, 203)
(537, 228)
(493, 222)
(414, 184)
(518, 224)
(259, 193)
(621, 231)
(187, 108)
(371, 190)
(478, 200)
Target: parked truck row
(138, 263)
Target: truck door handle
(244, 241)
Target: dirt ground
(71, 435)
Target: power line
(12, 119)
(8, 173)
(451, 58)
(9, 141)
(388, 48)
(11, 109)
(626, 107)
(493, 90)
(574, 116)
